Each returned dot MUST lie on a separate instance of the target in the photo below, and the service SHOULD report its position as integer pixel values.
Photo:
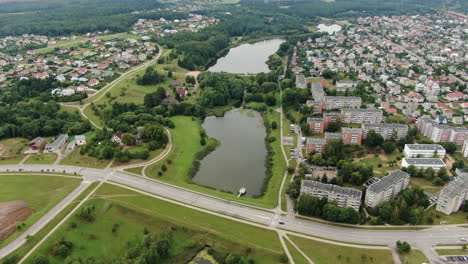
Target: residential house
(57, 144)
(37, 143)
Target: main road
(423, 239)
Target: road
(421, 239)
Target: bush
(283, 258)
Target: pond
(240, 159)
(247, 58)
(330, 29)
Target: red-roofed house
(93, 82)
(414, 97)
(182, 92)
(82, 70)
(117, 137)
(391, 110)
(455, 96)
(41, 76)
(385, 104)
(441, 105)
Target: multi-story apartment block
(317, 126)
(453, 195)
(361, 116)
(442, 133)
(345, 197)
(317, 92)
(315, 144)
(465, 149)
(458, 135)
(330, 118)
(387, 130)
(424, 151)
(352, 136)
(386, 188)
(316, 106)
(333, 136)
(339, 102)
(423, 163)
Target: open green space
(426, 185)
(413, 257)
(76, 159)
(43, 158)
(446, 252)
(325, 253)
(296, 255)
(40, 193)
(383, 159)
(139, 147)
(11, 150)
(121, 216)
(137, 170)
(434, 217)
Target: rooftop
(332, 188)
(388, 181)
(361, 110)
(433, 147)
(316, 141)
(385, 125)
(424, 161)
(456, 187)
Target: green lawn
(425, 184)
(133, 212)
(383, 159)
(445, 252)
(459, 217)
(325, 253)
(414, 257)
(44, 158)
(11, 150)
(136, 170)
(296, 255)
(76, 159)
(41, 193)
(141, 146)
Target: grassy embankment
(414, 256)
(323, 253)
(43, 158)
(132, 212)
(41, 193)
(11, 150)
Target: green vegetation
(445, 252)
(323, 253)
(414, 256)
(122, 218)
(40, 193)
(313, 206)
(11, 150)
(76, 159)
(44, 158)
(296, 255)
(434, 217)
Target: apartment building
(423, 163)
(453, 195)
(361, 116)
(442, 133)
(352, 136)
(317, 92)
(339, 102)
(315, 144)
(424, 151)
(316, 106)
(301, 81)
(465, 149)
(317, 126)
(333, 136)
(387, 130)
(458, 135)
(331, 118)
(386, 188)
(345, 197)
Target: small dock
(241, 192)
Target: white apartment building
(387, 130)
(424, 151)
(386, 188)
(345, 197)
(339, 102)
(423, 163)
(361, 116)
(452, 196)
(465, 149)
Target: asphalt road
(423, 239)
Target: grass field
(296, 255)
(456, 252)
(381, 159)
(426, 185)
(75, 159)
(414, 257)
(44, 158)
(324, 253)
(459, 217)
(141, 146)
(41, 193)
(133, 212)
(11, 150)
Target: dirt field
(11, 214)
(319, 173)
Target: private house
(57, 144)
(37, 143)
(79, 141)
(386, 188)
(424, 151)
(423, 163)
(117, 137)
(345, 197)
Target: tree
(154, 133)
(270, 100)
(128, 140)
(389, 147)
(373, 139)
(151, 77)
(274, 125)
(449, 147)
(39, 260)
(403, 247)
(155, 98)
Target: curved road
(423, 239)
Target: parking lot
(457, 259)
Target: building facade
(386, 188)
(424, 151)
(423, 163)
(345, 197)
(352, 136)
(315, 144)
(387, 130)
(361, 116)
(317, 125)
(339, 102)
(452, 196)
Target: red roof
(456, 95)
(391, 110)
(182, 91)
(118, 134)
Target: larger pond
(240, 160)
(247, 58)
